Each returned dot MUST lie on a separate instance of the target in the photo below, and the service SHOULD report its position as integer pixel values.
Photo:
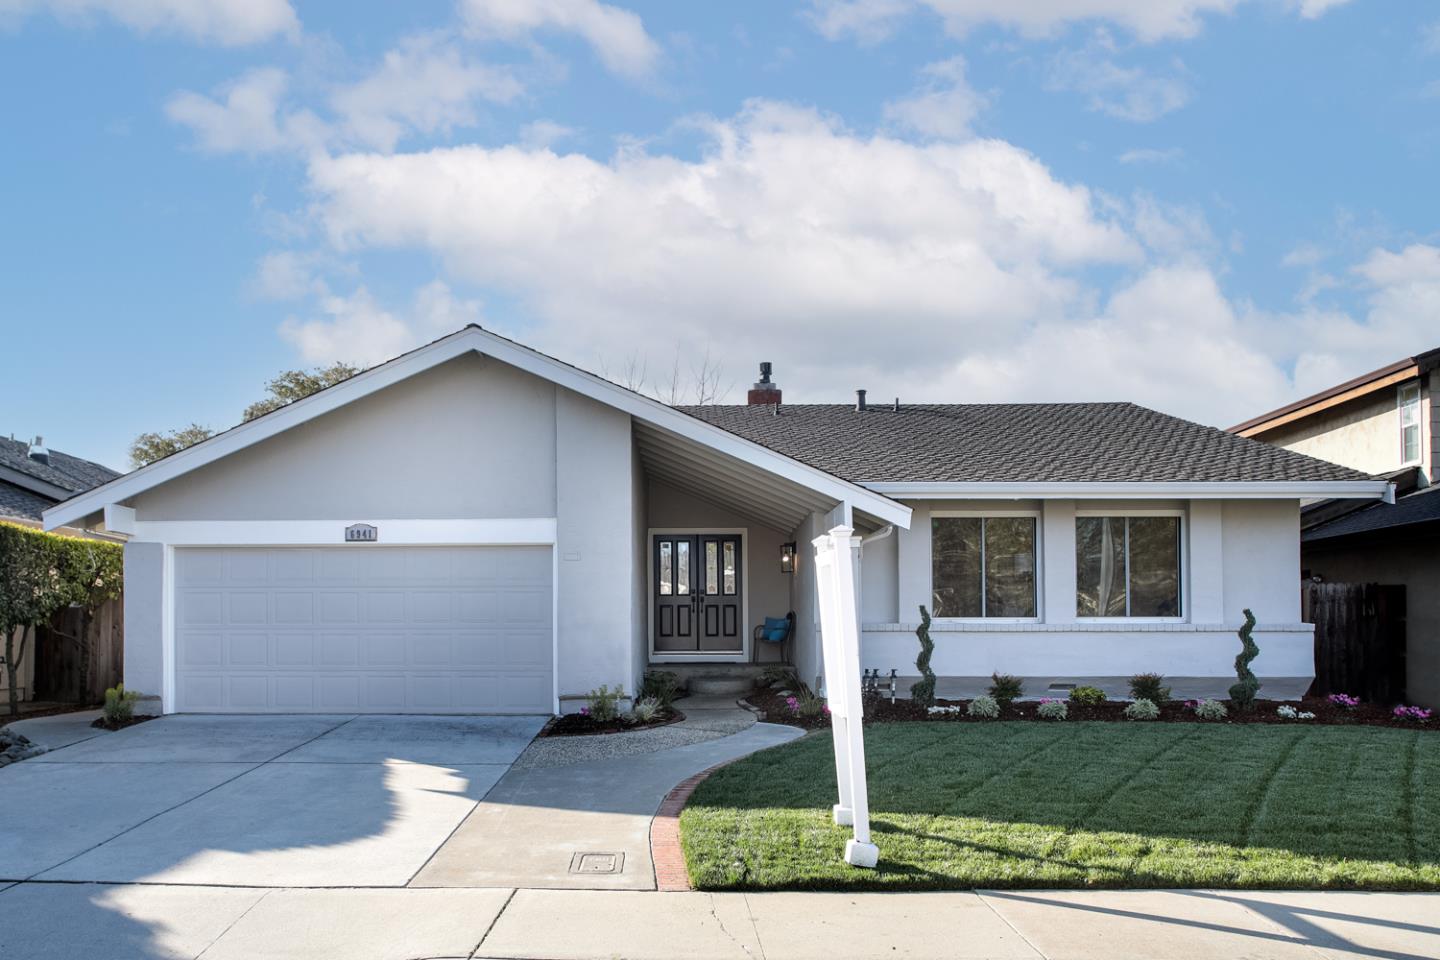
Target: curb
(671, 875)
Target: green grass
(955, 806)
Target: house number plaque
(361, 533)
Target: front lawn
(955, 806)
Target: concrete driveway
(314, 801)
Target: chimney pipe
(38, 453)
(859, 401)
(764, 392)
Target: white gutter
(880, 534)
(1141, 490)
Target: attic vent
(38, 452)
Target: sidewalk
(121, 922)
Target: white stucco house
(476, 527)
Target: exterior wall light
(787, 558)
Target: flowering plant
(584, 711)
(1344, 700)
(1290, 713)
(1207, 709)
(944, 711)
(1052, 709)
(792, 704)
(1418, 714)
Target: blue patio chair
(777, 630)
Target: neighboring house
(477, 527)
(1386, 423)
(32, 478)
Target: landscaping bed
(958, 805)
(102, 723)
(773, 704)
(583, 725)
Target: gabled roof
(1009, 442)
(668, 420)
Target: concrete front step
(720, 684)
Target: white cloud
(943, 106)
(789, 232)
(358, 329)
(616, 35)
(288, 275)
(245, 116)
(1144, 155)
(1314, 9)
(1430, 37)
(1127, 93)
(227, 22)
(545, 134)
(425, 85)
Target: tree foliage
(40, 575)
(292, 385)
(283, 390)
(1242, 693)
(149, 447)
(923, 692)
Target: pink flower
(584, 711)
(1344, 700)
(793, 704)
(1403, 712)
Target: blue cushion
(776, 628)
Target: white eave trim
(527, 531)
(1120, 490)
(506, 351)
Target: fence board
(1359, 638)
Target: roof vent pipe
(859, 401)
(38, 453)
(897, 404)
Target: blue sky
(1206, 206)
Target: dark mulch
(879, 710)
(579, 725)
(100, 723)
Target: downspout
(889, 529)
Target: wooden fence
(60, 669)
(1359, 639)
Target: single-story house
(477, 527)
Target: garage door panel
(399, 629)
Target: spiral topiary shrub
(923, 691)
(1242, 693)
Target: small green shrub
(1142, 709)
(1149, 686)
(603, 704)
(1087, 696)
(1052, 710)
(808, 704)
(1209, 709)
(778, 675)
(120, 704)
(662, 686)
(984, 707)
(1006, 689)
(645, 710)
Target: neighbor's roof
(1367, 383)
(1044, 442)
(28, 478)
(1420, 507)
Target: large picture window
(1127, 566)
(982, 567)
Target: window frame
(1407, 393)
(1182, 575)
(1039, 563)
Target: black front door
(698, 588)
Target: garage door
(363, 630)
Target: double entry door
(698, 588)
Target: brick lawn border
(671, 876)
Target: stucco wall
(1236, 554)
(594, 471)
(470, 438)
(1363, 434)
(144, 613)
(1416, 565)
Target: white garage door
(369, 629)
